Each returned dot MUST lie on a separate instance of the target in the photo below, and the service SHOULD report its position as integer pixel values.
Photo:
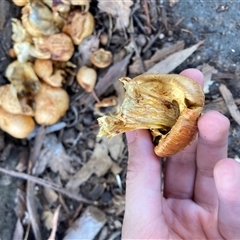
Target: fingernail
(131, 136)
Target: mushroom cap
(101, 58)
(59, 46)
(19, 3)
(167, 104)
(23, 77)
(44, 69)
(50, 104)
(9, 101)
(17, 125)
(79, 25)
(38, 20)
(86, 78)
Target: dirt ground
(82, 170)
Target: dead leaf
(20, 208)
(118, 9)
(88, 225)
(18, 231)
(208, 71)
(174, 60)
(232, 107)
(159, 55)
(115, 146)
(98, 164)
(54, 155)
(86, 48)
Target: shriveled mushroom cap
(101, 58)
(23, 77)
(20, 3)
(58, 46)
(38, 20)
(50, 104)
(17, 125)
(168, 105)
(79, 25)
(44, 69)
(9, 101)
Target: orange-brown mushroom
(101, 58)
(86, 78)
(37, 19)
(167, 105)
(45, 70)
(51, 104)
(79, 25)
(19, 3)
(10, 102)
(23, 77)
(17, 125)
(58, 47)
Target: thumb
(143, 184)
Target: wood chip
(232, 107)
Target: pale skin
(201, 198)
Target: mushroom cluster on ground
(44, 41)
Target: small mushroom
(101, 58)
(86, 78)
(17, 125)
(50, 104)
(79, 25)
(167, 105)
(23, 77)
(45, 70)
(107, 105)
(58, 47)
(10, 102)
(37, 18)
(19, 3)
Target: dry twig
(45, 183)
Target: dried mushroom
(167, 105)
(107, 105)
(10, 102)
(45, 70)
(50, 104)
(87, 77)
(58, 47)
(38, 20)
(79, 25)
(62, 6)
(19, 3)
(23, 77)
(17, 125)
(19, 33)
(83, 3)
(101, 58)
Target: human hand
(201, 197)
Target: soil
(215, 22)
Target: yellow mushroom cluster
(43, 44)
